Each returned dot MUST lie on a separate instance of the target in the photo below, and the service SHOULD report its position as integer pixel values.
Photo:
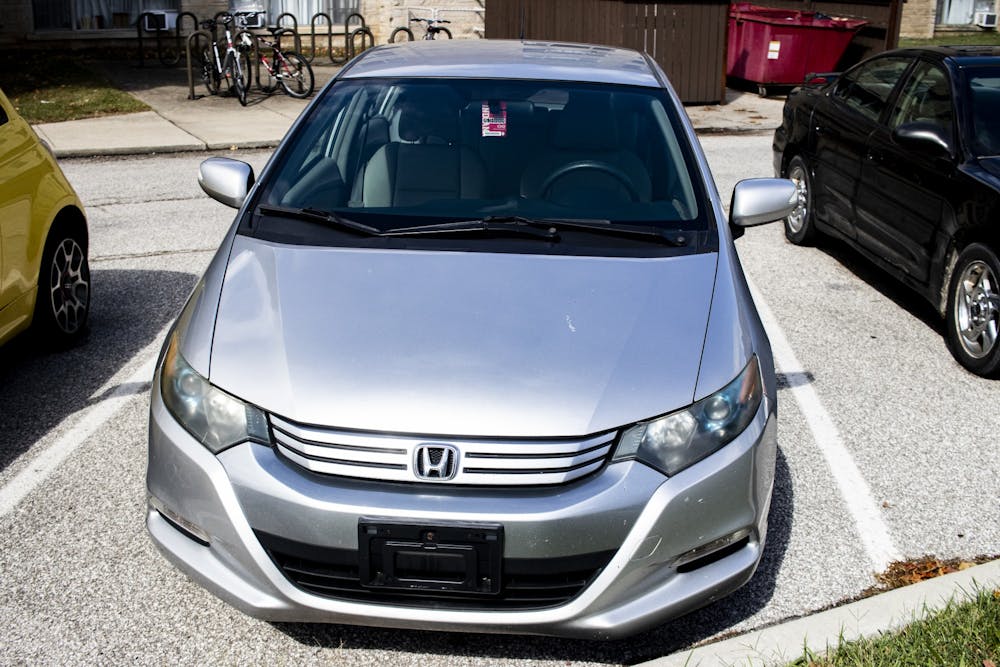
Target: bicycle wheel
(445, 31)
(241, 76)
(296, 75)
(399, 32)
(205, 65)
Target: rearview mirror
(226, 180)
(757, 201)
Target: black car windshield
(401, 153)
(984, 102)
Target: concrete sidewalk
(217, 123)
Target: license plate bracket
(460, 558)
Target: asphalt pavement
(180, 123)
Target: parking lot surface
(887, 449)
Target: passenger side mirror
(226, 180)
(757, 201)
(927, 138)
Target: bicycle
(231, 70)
(432, 29)
(288, 69)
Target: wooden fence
(686, 37)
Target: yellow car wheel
(63, 302)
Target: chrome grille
(480, 462)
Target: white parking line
(87, 421)
(872, 530)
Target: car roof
(505, 59)
(964, 55)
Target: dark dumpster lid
(745, 11)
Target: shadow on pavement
(882, 282)
(668, 638)
(39, 387)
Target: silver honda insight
(477, 354)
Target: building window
(94, 14)
(302, 10)
(960, 12)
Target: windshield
(984, 101)
(401, 153)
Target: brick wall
(384, 16)
(918, 19)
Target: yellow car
(44, 274)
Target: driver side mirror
(226, 180)
(757, 201)
(926, 138)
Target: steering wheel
(593, 165)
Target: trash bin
(778, 47)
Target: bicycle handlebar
(430, 21)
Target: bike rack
(163, 57)
(281, 30)
(193, 37)
(363, 31)
(312, 30)
(278, 32)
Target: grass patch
(983, 38)
(962, 634)
(48, 88)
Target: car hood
(462, 344)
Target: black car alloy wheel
(799, 226)
(973, 316)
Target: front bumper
(646, 520)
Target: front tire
(296, 75)
(973, 314)
(800, 226)
(62, 306)
(208, 75)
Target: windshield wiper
(551, 227)
(650, 232)
(328, 218)
(484, 225)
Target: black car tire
(63, 302)
(972, 319)
(800, 228)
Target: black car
(900, 157)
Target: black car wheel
(799, 226)
(63, 301)
(973, 316)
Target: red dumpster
(780, 46)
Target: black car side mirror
(927, 138)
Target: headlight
(682, 438)
(216, 419)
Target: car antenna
(522, 23)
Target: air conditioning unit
(162, 19)
(251, 20)
(986, 20)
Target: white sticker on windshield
(495, 119)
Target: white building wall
(383, 16)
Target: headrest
(428, 114)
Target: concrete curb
(780, 644)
